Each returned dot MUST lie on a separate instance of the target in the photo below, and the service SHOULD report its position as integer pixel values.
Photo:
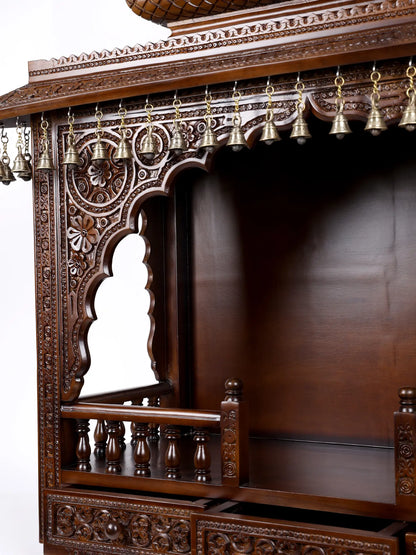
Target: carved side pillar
(234, 435)
(404, 444)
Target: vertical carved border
(47, 333)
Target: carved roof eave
(317, 35)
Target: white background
(36, 30)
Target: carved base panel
(90, 523)
(229, 534)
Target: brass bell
(71, 158)
(209, 140)
(45, 161)
(177, 142)
(123, 150)
(27, 176)
(270, 133)
(408, 120)
(375, 122)
(236, 139)
(149, 148)
(20, 164)
(2, 172)
(8, 176)
(340, 126)
(300, 130)
(99, 153)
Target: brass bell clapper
(149, 147)
(45, 162)
(6, 175)
(20, 166)
(375, 122)
(123, 150)
(236, 139)
(99, 153)
(340, 126)
(209, 141)
(177, 142)
(300, 130)
(71, 158)
(270, 133)
(408, 120)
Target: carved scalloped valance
(164, 11)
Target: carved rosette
(405, 458)
(223, 538)
(117, 527)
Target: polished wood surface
(303, 283)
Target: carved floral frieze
(117, 527)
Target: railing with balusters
(160, 437)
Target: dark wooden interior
(281, 279)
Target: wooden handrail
(123, 395)
(174, 417)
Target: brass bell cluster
(22, 167)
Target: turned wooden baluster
(121, 434)
(172, 456)
(133, 441)
(234, 435)
(202, 458)
(142, 451)
(405, 447)
(154, 428)
(100, 438)
(113, 451)
(83, 449)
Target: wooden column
(234, 435)
(83, 450)
(404, 440)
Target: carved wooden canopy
(271, 40)
(164, 11)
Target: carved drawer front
(411, 543)
(232, 534)
(104, 524)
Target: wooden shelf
(308, 475)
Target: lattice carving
(117, 527)
(222, 538)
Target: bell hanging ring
(408, 120)
(236, 140)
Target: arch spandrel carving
(99, 206)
